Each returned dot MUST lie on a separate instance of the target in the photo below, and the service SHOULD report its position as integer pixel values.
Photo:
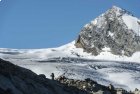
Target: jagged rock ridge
(115, 29)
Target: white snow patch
(124, 79)
(94, 22)
(111, 34)
(132, 23)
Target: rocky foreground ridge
(18, 80)
(116, 29)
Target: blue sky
(51, 23)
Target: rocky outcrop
(92, 87)
(88, 85)
(18, 80)
(109, 30)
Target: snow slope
(132, 23)
(68, 50)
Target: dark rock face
(109, 30)
(18, 80)
(21, 81)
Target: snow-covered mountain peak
(119, 11)
(116, 29)
(131, 22)
(127, 18)
(116, 10)
(114, 13)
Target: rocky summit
(116, 29)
